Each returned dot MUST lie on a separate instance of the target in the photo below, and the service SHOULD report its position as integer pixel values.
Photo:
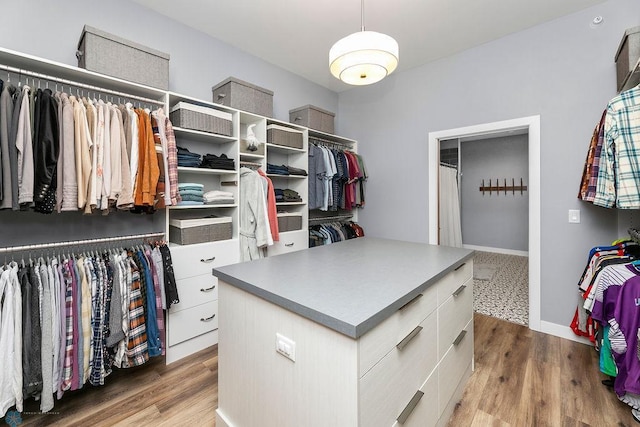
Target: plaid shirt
(68, 351)
(137, 352)
(172, 159)
(619, 173)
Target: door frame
(532, 125)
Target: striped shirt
(68, 351)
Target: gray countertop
(350, 286)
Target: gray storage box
(196, 117)
(289, 222)
(114, 56)
(191, 231)
(313, 117)
(281, 135)
(244, 96)
(626, 59)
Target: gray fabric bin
(196, 117)
(184, 232)
(313, 117)
(114, 56)
(244, 96)
(289, 222)
(626, 59)
(281, 135)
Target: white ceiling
(297, 34)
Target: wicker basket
(289, 222)
(190, 231)
(281, 135)
(196, 117)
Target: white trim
(496, 250)
(532, 125)
(562, 331)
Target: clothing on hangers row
(336, 179)
(68, 321)
(63, 153)
(333, 232)
(611, 175)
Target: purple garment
(611, 276)
(627, 314)
(75, 374)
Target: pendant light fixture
(364, 57)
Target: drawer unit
(199, 259)
(450, 316)
(390, 384)
(290, 242)
(195, 290)
(423, 412)
(381, 340)
(454, 364)
(452, 281)
(186, 324)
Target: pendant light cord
(361, 15)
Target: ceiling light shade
(363, 58)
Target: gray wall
(495, 220)
(562, 70)
(51, 30)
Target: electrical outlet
(286, 347)
(574, 216)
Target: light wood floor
(521, 378)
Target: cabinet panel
(379, 341)
(453, 315)
(199, 259)
(190, 323)
(290, 242)
(387, 388)
(425, 413)
(195, 291)
(452, 281)
(453, 366)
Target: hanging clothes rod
(321, 219)
(79, 242)
(316, 140)
(40, 76)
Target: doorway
(531, 127)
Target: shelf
(248, 156)
(200, 136)
(174, 98)
(206, 171)
(275, 175)
(332, 138)
(633, 78)
(290, 203)
(181, 207)
(285, 150)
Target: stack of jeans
(212, 161)
(188, 159)
(277, 170)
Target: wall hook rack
(497, 188)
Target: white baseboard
(497, 250)
(562, 331)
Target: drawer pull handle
(416, 298)
(206, 319)
(402, 344)
(460, 337)
(207, 289)
(460, 266)
(459, 290)
(289, 244)
(208, 259)
(410, 407)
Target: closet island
(367, 332)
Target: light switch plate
(574, 216)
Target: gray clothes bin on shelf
(236, 93)
(114, 56)
(313, 117)
(626, 59)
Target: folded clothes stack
(287, 195)
(212, 161)
(188, 159)
(296, 171)
(284, 170)
(191, 193)
(218, 197)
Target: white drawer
(290, 241)
(190, 323)
(453, 366)
(195, 260)
(387, 388)
(195, 291)
(379, 341)
(450, 283)
(425, 411)
(453, 315)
